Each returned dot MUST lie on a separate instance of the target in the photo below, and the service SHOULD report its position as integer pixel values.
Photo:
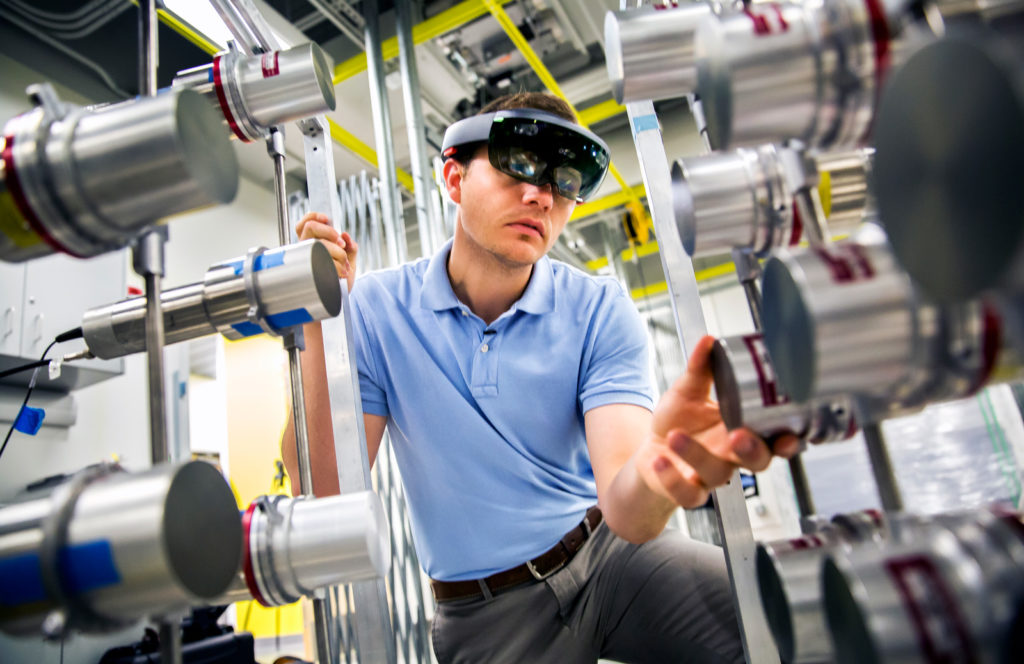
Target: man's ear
(453, 173)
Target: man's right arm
(343, 251)
(319, 423)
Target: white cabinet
(12, 298)
(48, 296)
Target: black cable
(75, 333)
(28, 393)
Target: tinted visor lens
(539, 152)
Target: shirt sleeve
(371, 388)
(615, 366)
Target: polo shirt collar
(437, 294)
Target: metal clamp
(255, 315)
(540, 577)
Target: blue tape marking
(21, 581)
(645, 123)
(29, 420)
(276, 321)
(289, 318)
(88, 566)
(84, 567)
(247, 329)
(262, 262)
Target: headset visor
(539, 152)
(536, 147)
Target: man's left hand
(689, 451)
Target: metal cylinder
(947, 592)
(846, 320)
(256, 92)
(294, 546)
(786, 70)
(734, 199)
(843, 187)
(957, 226)
(650, 51)
(789, 579)
(750, 396)
(86, 180)
(266, 290)
(107, 547)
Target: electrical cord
(32, 384)
(75, 333)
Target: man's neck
(482, 281)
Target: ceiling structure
(466, 59)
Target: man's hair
(540, 101)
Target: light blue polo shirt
(487, 420)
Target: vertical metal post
(389, 199)
(730, 505)
(148, 262)
(881, 466)
(372, 617)
(415, 126)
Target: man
(515, 393)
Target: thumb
(695, 384)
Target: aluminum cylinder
(957, 226)
(732, 199)
(789, 579)
(948, 593)
(104, 549)
(750, 396)
(777, 71)
(846, 320)
(650, 51)
(843, 186)
(256, 92)
(264, 291)
(86, 180)
(294, 546)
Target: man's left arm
(647, 464)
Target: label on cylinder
(847, 263)
(940, 629)
(767, 18)
(269, 64)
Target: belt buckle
(540, 577)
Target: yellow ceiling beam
(602, 111)
(435, 26)
(608, 202)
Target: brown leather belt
(537, 569)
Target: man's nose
(539, 194)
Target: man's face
(515, 221)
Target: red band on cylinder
(247, 569)
(20, 200)
(798, 227)
(218, 86)
(269, 64)
(930, 606)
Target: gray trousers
(664, 601)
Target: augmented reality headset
(535, 147)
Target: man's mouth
(528, 227)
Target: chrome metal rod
(170, 641)
(415, 125)
(748, 271)
(802, 489)
(275, 147)
(149, 53)
(389, 200)
(881, 466)
(155, 363)
(322, 627)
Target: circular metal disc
(948, 167)
(788, 331)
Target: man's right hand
(343, 249)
